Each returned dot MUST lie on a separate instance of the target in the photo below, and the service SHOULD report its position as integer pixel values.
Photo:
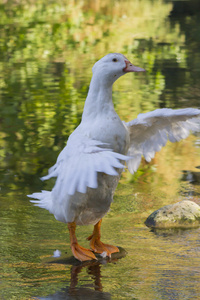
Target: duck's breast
(110, 130)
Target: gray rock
(184, 214)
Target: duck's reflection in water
(94, 270)
(87, 291)
(93, 290)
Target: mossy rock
(184, 214)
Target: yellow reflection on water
(47, 52)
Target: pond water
(47, 50)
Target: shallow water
(158, 265)
(46, 55)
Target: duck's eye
(114, 59)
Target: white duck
(89, 167)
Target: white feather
(150, 132)
(78, 164)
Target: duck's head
(112, 66)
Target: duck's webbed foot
(79, 252)
(97, 246)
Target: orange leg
(97, 246)
(79, 252)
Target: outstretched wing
(150, 132)
(80, 161)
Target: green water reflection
(47, 50)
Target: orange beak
(131, 68)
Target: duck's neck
(99, 100)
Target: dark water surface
(47, 50)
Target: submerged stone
(70, 260)
(183, 214)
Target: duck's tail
(44, 200)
